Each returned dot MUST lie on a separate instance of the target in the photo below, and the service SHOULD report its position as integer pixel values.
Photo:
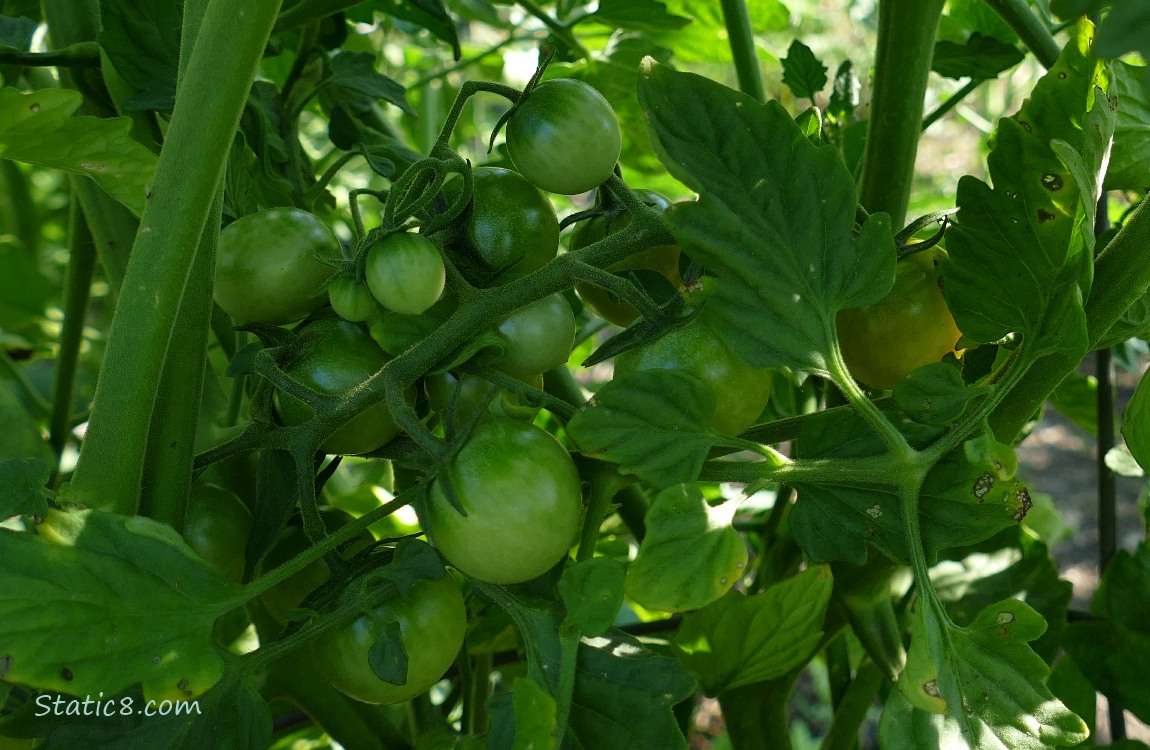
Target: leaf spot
(34, 107)
(5, 665)
(930, 687)
(1062, 75)
(66, 674)
(1051, 182)
(1005, 618)
(874, 511)
(723, 581)
(182, 685)
(982, 486)
(1025, 126)
(1045, 216)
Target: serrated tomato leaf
(775, 220)
(39, 128)
(740, 640)
(1021, 253)
(22, 490)
(592, 591)
(993, 682)
(653, 423)
(690, 555)
(97, 602)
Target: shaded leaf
(1125, 28)
(803, 73)
(740, 640)
(16, 33)
(980, 58)
(130, 600)
(1021, 254)
(535, 715)
(934, 394)
(690, 555)
(387, 656)
(39, 128)
(637, 14)
(430, 14)
(592, 591)
(653, 423)
(357, 71)
(142, 41)
(1130, 158)
(774, 221)
(24, 291)
(22, 490)
(1136, 423)
(20, 436)
(1076, 397)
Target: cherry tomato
(564, 137)
(523, 500)
(266, 270)
(900, 333)
(511, 225)
(432, 621)
(405, 272)
(537, 337)
(216, 527)
(661, 258)
(351, 300)
(344, 357)
(741, 391)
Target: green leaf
(705, 38)
(97, 602)
(24, 291)
(20, 437)
(1125, 28)
(993, 682)
(430, 14)
(592, 591)
(642, 15)
(934, 394)
(1136, 423)
(1023, 569)
(1076, 398)
(774, 220)
(356, 71)
(1021, 254)
(980, 58)
(142, 41)
(740, 640)
(39, 128)
(690, 555)
(387, 656)
(653, 423)
(16, 33)
(1114, 651)
(1130, 158)
(803, 73)
(535, 715)
(960, 503)
(22, 490)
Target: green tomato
(523, 500)
(511, 225)
(266, 267)
(476, 394)
(564, 137)
(903, 331)
(537, 337)
(351, 300)
(405, 272)
(432, 621)
(661, 258)
(741, 391)
(344, 357)
(216, 527)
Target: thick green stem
(741, 38)
(220, 70)
(77, 286)
(113, 229)
(756, 715)
(852, 709)
(1031, 29)
(17, 208)
(1121, 276)
(83, 55)
(905, 48)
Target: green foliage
(39, 129)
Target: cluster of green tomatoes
(517, 482)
